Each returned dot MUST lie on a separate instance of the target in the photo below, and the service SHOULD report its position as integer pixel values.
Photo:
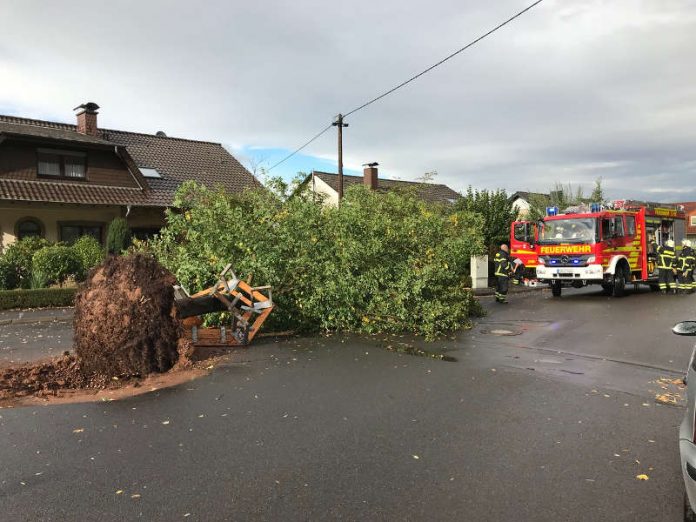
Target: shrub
(16, 263)
(38, 280)
(118, 236)
(381, 262)
(89, 250)
(57, 263)
(43, 298)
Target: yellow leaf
(119, 492)
(642, 476)
(78, 430)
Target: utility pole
(339, 123)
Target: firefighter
(666, 266)
(685, 268)
(502, 274)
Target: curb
(30, 320)
(486, 292)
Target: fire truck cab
(612, 247)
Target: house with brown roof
(325, 185)
(690, 211)
(62, 181)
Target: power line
(299, 148)
(402, 84)
(455, 53)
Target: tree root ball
(125, 323)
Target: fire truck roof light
(551, 211)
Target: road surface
(548, 413)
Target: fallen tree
(381, 262)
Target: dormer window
(53, 163)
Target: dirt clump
(125, 323)
(46, 378)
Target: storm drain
(500, 331)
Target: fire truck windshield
(574, 230)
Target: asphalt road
(547, 414)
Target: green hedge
(40, 298)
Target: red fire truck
(613, 247)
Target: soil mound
(125, 324)
(44, 378)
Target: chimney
(87, 118)
(370, 175)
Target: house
(690, 211)
(325, 184)
(62, 181)
(523, 201)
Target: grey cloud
(569, 92)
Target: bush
(16, 263)
(46, 297)
(57, 263)
(89, 250)
(118, 236)
(381, 262)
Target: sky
(572, 91)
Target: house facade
(325, 185)
(61, 181)
(690, 211)
(522, 202)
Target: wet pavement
(548, 413)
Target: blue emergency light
(595, 207)
(551, 211)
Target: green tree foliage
(16, 262)
(597, 195)
(381, 262)
(118, 236)
(89, 250)
(57, 263)
(496, 210)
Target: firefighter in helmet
(502, 274)
(685, 268)
(666, 266)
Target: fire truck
(614, 246)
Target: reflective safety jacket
(665, 257)
(687, 259)
(502, 264)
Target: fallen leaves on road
(666, 398)
(642, 476)
(78, 430)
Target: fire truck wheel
(619, 286)
(556, 287)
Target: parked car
(687, 430)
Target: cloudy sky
(572, 91)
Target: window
(29, 227)
(630, 225)
(61, 164)
(150, 173)
(144, 233)
(618, 226)
(692, 221)
(71, 232)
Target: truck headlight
(541, 261)
(591, 260)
